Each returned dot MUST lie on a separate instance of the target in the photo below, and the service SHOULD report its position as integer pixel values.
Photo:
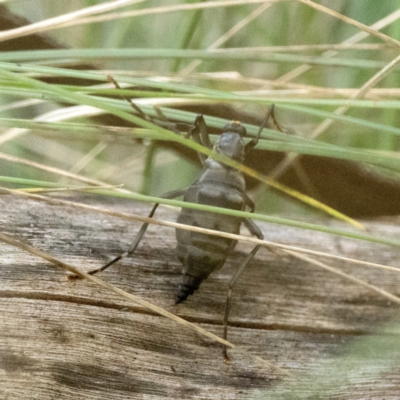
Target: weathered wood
(68, 340)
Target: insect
(217, 185)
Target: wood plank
(77, 340)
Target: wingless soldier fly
(218, 185)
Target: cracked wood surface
(69, 340)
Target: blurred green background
(279, 38)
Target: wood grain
(69, 340)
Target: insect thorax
(231, 144)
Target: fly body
(218, 185)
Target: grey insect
(217, 185)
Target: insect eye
(242, 131)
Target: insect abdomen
(199, 253)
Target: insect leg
(161, 121)
(199, 133)
(253, 142)
(170, 195)
(249, 203)
(254, 230)
(205, 138)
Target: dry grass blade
(358, 94)
(52, 116)
(284, 248)
(55, 22)
(335, 271)
(136, 299)
(310, 47)
(66, 189)
(228, 35)
(56, 171)
(291, 89)
(89, 157)
(351, 21)
(352, 40)
(19, 104)
(326, 124)
(166, 9)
